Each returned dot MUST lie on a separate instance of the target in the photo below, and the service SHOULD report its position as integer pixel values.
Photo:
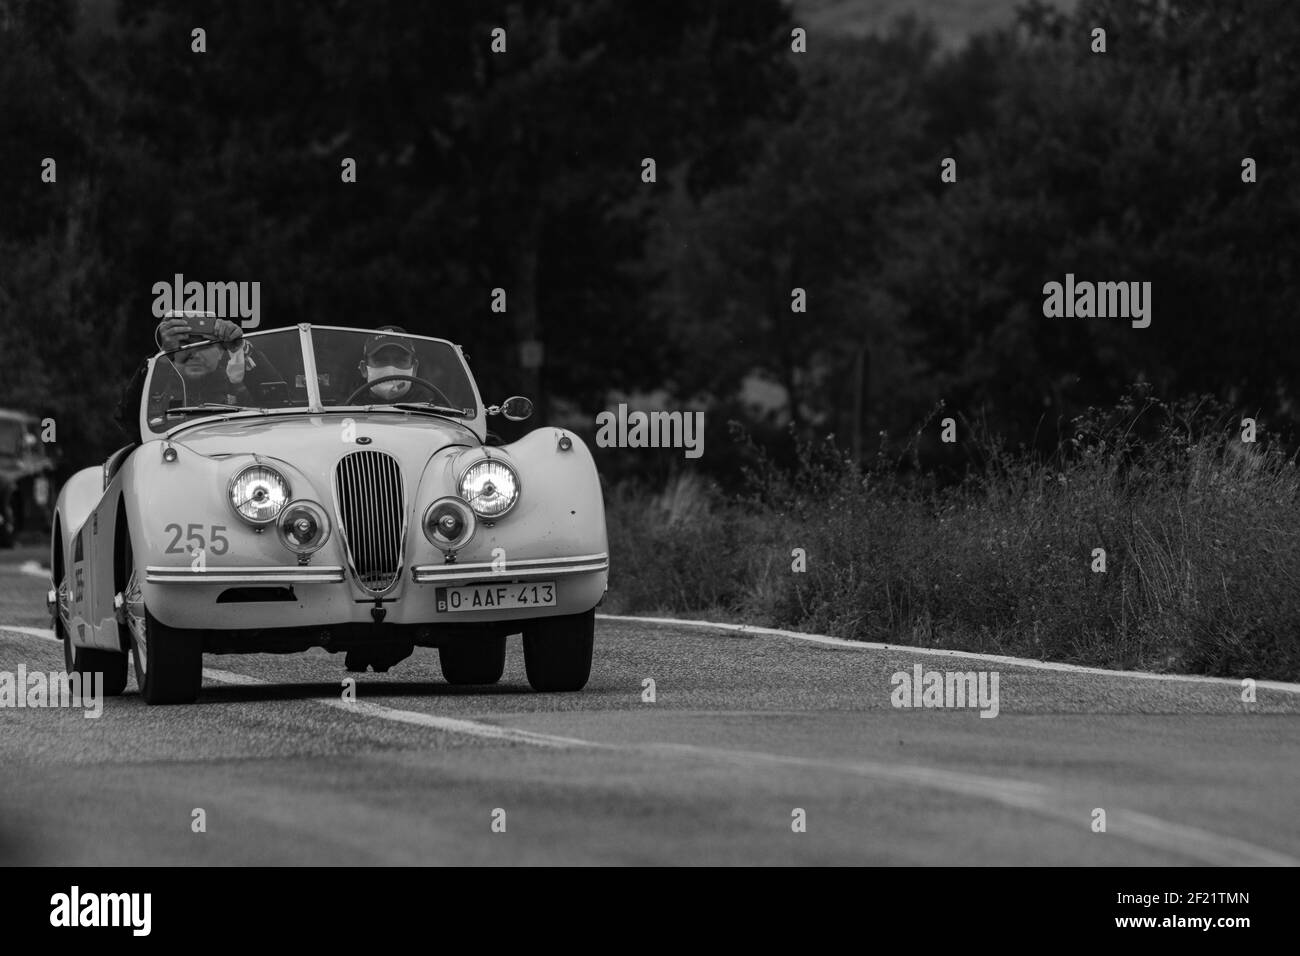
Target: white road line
(1172, 837)
(367, 709)
(32, 568)
(41, 632)
(420, 719)
(1225, 850)
(1234, 682)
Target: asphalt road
(746, 729)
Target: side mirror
(516, 408)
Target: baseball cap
(386, 338)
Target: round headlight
(304, 527)
(490, 486)
(449, 524)
(258, 494)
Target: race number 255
(195, 540)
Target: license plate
(493, 597)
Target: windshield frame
(477, 423)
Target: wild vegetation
(1200, 533)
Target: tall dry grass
(1201, 534)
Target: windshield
(205, 379)
(351, 366)
(267, 372)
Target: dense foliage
(776, 169)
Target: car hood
(306, 439)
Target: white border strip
(1027, 662)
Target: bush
(1200, 532)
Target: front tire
(557, 651)
(168, 663)
(475, 660)
(168, 660)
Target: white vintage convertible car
(281, 497)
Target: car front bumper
(251, 598)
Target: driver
(386, 353)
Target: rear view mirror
(273, 394)
(516, 408)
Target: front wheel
(557, 651)
(473, 660)
(168, 660)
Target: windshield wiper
(437, 409)
(209, 407)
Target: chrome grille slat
(381, 526)
(381, 480)
(367, 527)
(397, 513)
(377, 532)
(371, 502)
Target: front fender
(171, 506)
(77, 499)
(561, 502)
(560, 513)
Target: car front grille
(372, 509)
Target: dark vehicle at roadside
(26, 477)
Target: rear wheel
(92, 660)
(85, 660)
(168, 660)
(475, 660)
(557, 651)
(6, 518)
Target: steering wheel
(407, 378)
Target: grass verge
(1200, 532)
